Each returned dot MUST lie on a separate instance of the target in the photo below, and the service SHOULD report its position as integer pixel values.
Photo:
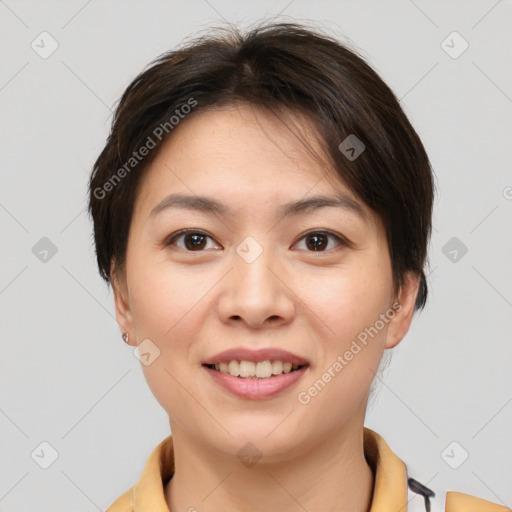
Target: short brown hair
(282, 67)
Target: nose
(257, 292)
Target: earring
(125, 337)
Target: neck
(332, 476)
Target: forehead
(240, 130)
(243, 151)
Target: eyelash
(341, 240)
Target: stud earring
(125, 337)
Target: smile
(255, 370)
(253, 387)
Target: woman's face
(248, 277)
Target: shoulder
(123, 504)
(413, 495)
(447, 501)
(460, 502)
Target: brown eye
(192, 240)
(317, 241)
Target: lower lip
(256, 389)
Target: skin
(193, 303)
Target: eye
(194, 240)
(316, 241)
(197, 240)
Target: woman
(262, 210)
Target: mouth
(267, 369)
(256, 381)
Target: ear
(121, 300)
(400, 323)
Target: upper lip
(264, 354)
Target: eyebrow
(211, 206)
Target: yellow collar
(389, 493)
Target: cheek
(348, 299)
(166, 304)
(352, 340)
(163, 297)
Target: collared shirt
(391, 492)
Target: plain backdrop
(73, 396)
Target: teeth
(260, 370)
(234, 368)
(263, 370)
(277, 367)
(247, 369)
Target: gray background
(67, 378)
